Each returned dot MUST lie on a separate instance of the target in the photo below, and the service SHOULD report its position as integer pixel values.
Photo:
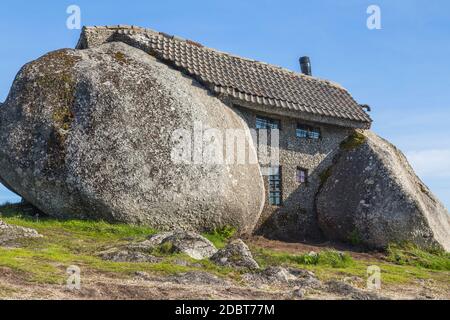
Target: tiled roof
(247, 80)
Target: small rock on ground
(10, 233)
(280, 276)
(190, 243)
(350, 292)
(128, 256)
(235, 254)
(197, 277)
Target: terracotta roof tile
(248, 80)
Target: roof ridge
(189, 41)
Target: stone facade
(296, 218)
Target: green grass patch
(86, 229)
(77, 242)
(164, 249)
(355, 238)
(411, 255)
(219, 237)
(330, 264)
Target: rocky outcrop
(192, 244)
(90, 134)
(189, 243)
(291, 277)
(236, 254)
(197, 277)
(9, 234)
(348, 292)
(116, 255)
(372, 196)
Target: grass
(330, 264)
(77, 242)
(220, 237)
(355, 238)
(409, 254)
(164, 249)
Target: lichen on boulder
(89, 134)
(192, 244)
(237, 255)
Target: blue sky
(402, 70)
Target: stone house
(313, 116)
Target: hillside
(36, 268)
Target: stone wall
(296, 218)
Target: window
(302, 175)
(275, 186)
(267, 123)
(304, 131)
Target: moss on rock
(355, 140)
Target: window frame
(269, 121)
(310, 132)
(306, 175)
(274, 191)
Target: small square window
(302, 175)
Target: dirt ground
(110, 286)
(300, 248)
(107, 287)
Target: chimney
(305, 65)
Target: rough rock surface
(235, 254)
(10, 233)
(90, 134)
(284, 277)
(349, 292)
(192, 244)
(197, 277)
(128, 256)
(373, 196)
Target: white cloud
(430, 163)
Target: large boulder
(373, 196)
(94, 134)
